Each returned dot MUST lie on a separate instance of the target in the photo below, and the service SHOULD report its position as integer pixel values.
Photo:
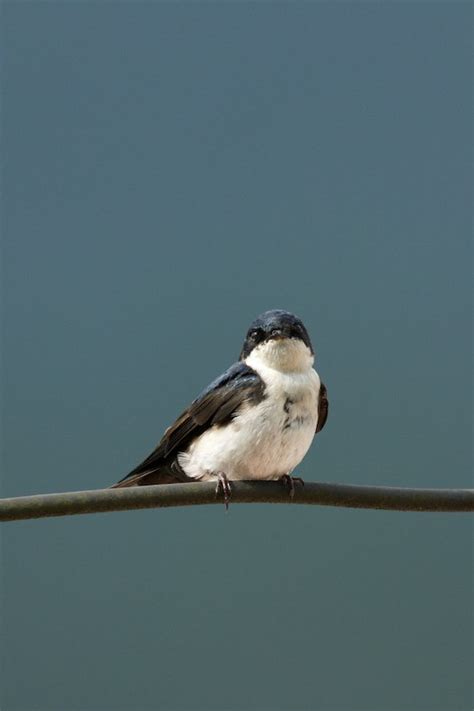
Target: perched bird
(255, 421)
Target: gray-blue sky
(169, 171)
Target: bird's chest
(282, 426)
(289, 407)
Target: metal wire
(195, 494)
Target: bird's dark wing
(216, 405)
(323, 408)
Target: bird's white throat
(284, 354)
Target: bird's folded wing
(323, 408)
(216, 405)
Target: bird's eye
(254, 334)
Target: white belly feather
(263, 441)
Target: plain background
(170, 170)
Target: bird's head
(278, 339)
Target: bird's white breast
(268, 439)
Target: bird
(256, 421)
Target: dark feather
(323, 408)
(216, 405)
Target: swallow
(256, 421)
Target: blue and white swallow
(256, 421)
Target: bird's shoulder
(218, 402)
(238, 375)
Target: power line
(195, 494)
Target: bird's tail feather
(146, 478)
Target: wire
(195, 494)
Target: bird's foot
(290, 482)
(224, 484)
